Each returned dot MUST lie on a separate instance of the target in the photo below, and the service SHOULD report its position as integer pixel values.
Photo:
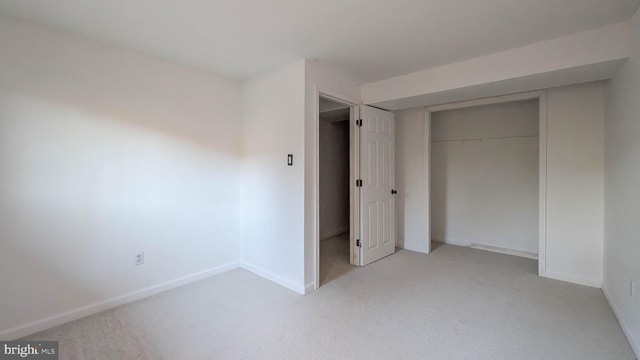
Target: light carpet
(455, 303)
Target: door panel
(378, 179)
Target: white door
(377, 190)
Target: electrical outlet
(632, 288)
(140, 258)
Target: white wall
(622, 198)
(411, 209)
(272, 192)
(279, 214)
(334, 177)
(493, 179)
(575, 183)
(104, 153)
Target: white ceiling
(368, 39)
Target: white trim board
(309, 288)
(495, 249)
(78, 313)
(300, 289)
(573, 279)
(625, 329)
(542, 183)
(427, 175)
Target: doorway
(371, 184)
(334, 189)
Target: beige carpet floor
(455, 303)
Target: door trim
(427, 173)
(542, 158)
(354, 196)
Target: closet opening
(487, 175)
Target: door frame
(541, 95)
(354, 160)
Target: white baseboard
(625, 329)
(299, 288)
(495, 249)
(548, 274)
(412, 247)
(500, 250)
(334, 233)
(309, 288)
(451, 242)
(573, 279)
(75, 314)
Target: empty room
(326, 180)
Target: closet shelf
(482, 139)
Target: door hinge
(359, 122)
(358, 183)
(358, 244)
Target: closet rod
(493, 138)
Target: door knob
(393, 192)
